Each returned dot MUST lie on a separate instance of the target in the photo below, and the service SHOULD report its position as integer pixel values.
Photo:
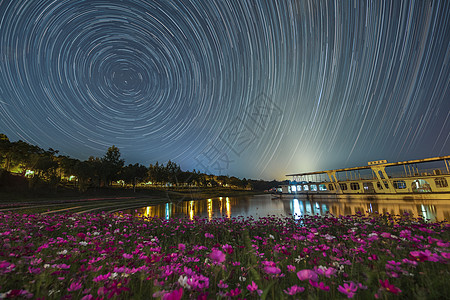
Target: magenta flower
(327, 272)
(217, 256)
(227, 248)
(291, 268)
(209, 235)
(307, 275)
(174, 295)
(295, 289)
(181, 247)
(87, 297)
(235, 292)
(373, 257)
(319, 285)
(222, 285)
(272, 270)
(127, 256)
(74, 286)
(254, 288)
(102, 277)
(426, 255)
(348, 289)
(390, 287)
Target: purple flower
(319, 285)
(291, 268)
(295, 289)
(348, 289)
(222, 285)
(174, 295)
(254, 288)
(217, 256)
(307, 275)
(272, 270)
(74, 286)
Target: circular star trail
(246, 88)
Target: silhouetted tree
(111, 165)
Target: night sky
(254, 89)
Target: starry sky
(254, 89)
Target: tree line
(49, 166)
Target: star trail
(254, 89)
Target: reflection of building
(263, 205)
(210, 208)
(439, 210)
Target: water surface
(264, 205)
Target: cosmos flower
(217, 256)
(307, 275)
(348, 289)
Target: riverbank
(108, 199)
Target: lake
(263, 205)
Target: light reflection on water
(263, 205)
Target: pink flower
(235, 292)
(181, 247)
(222, 285)
(319, 285)
(390, 287)
(127, 256)
(227, 248)
(307, 275)
(74, 286)
(426, 255)
(209, 235)
(327, 272)
(102, 277)
(373, 257)
(87, 297)
(295, 289)
(291, 268)
(217, 256)
(272, 270)
(174, 295)
(254, 288)
(348, 289)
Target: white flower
(113, 275)
(271, 236)
(64, 252)
(83, 243)
(242, 278)
(46, 266)
(183, 281)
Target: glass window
(399, 184)
(299, 188)
(441, 182)
(313, 187)
(322, 187)
(305, 187)
(343, 186)
(354, 186)
(331, 187)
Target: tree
(132, 174)
(111, 165)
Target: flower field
(105, 256)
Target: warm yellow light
(227, 204)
